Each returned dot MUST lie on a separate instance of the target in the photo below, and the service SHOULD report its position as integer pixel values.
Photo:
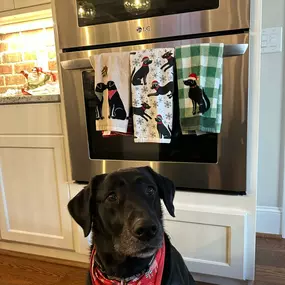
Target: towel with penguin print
(112, 89)
(152, 94)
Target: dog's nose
(144, 230)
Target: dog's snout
(144, 230)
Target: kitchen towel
(200, 84)
(152, 94)
(112, 89)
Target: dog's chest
(195, 93)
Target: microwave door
(96, 23)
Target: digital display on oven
(95, 12)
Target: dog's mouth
(146, 252)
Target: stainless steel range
(210, 162)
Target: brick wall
(23, 51)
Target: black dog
(140, 111)
(99, 100)
(116, 106)
(163, 131)
(142, 73)
(168, 89)
(170, 61)
(197, 95)
(123, 211)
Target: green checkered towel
(200, 84)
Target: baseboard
(269, 220)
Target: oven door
(211, 162)
(102, 22)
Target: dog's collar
(153, 272)
(169, 57)
(111, 93)
(145, 64)
(192, 87)
(159, 123)
(143, 108)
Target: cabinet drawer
(28, 3)
(30, 119)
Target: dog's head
(167, 54)
(146, 61)
(146, 106)
(100, 87)
(190, 82)
(158, 119)
(111, 85)
(154, 84)
(125, 208)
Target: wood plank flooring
(19, 269)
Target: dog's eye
(112, 198)
(150, 191)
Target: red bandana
(152, 277)
(111, 93)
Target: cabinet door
(6, 5)
(34, 192)
(28, 3)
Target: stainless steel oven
(210, 162)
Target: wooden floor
(26, 270)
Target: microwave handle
(84, 63)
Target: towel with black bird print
(152, 89)
(112, 88)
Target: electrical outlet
(272, 40)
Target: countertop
(29, 99)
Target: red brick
(50, 41)
(3, 90)
(52, 55)
(11, 57)
(3, 47)
(12, 37)
(15, 79)
(1, 80)
(6, 69)
(30, 55)
(52, 65)
(28, 66)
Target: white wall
(272, 91)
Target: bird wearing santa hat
(197, 95)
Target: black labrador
(163, 131)
(123, 211)
(142, 73)
(168, 89)
(141, 111)
(170, 61)
(116, 106)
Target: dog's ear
(166, 189)
(79, 207)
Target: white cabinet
(6, 5)
(28, 3)
(211, 242)
(34, 192)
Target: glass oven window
(95, 12)
(199, 149)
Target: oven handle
(84, 63)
